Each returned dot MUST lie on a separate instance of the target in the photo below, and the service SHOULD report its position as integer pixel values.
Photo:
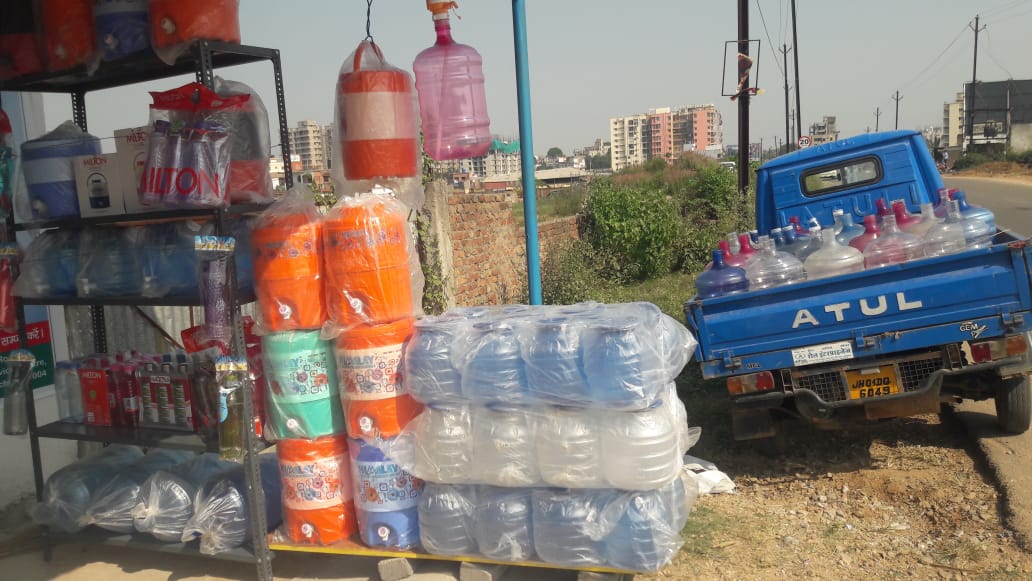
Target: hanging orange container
(288, 272)
(369, 368)
(68, 37)
(376, 117)
(317, 501)
(366, 251)
(175, 22)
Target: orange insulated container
(317, 502)
(369, 369)
(176, 22)
(288, 272)
(366, 254)
(68, 36)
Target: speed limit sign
(804, 141)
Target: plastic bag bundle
(166, 499)
(50, 266)
(169, 265)
(618, 357)
(220, 517)
(367, 251)
(112, 505)
(286, 247)
(249, 178)
(19, 50)
(67, 27)
(49, 172)
(109, 263)
(175, 24)
(510, 445)
(121, 27)
(68, 491)
(190, 145)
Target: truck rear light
(752, 383)
(1008, 346)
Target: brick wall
(489, 256)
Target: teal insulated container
(303, 388)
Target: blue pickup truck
(888, 342)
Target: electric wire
(918, 77)
(770, 43)
(992, 57)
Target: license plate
(869, 383)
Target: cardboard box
(98, 184)
(95, 396)
(131, 150)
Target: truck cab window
(823, 180)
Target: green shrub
(634, 226)
(568, 274)
(1022, 157)
(971, 159)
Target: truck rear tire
(1014, 404)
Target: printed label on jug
(314, 484)
(384, 486)
(370, 374)
(302, 378)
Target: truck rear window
(832, 178)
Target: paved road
(1009, 457)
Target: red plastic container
(68, 36)
(176, 22)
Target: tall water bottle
(447, 519)
(443, 436)
(569, 449)
(429, 370)
(69, 392)
(721, 279)
(747, 252)
(452, 102)
(19, 376)
(566, 526)
(492, 369)
(623, 367)
(732, 239)
(738, 254)
(386, 498)
(833, 258)
(975, 235)
(502, 524)
(503, 447)
(773, 268)
(904, 218)
(850, 229)
(808, 245)
(639, 449)
(942, 202)
(778, 236)
(946, 237)
(871, 232)
(725, 247)
(644, 536)
(882, 209)
(551, 350)
(925, 222)
(893, 246)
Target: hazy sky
(595, 59)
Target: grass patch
(703, 529)
(668, 292)
(557, 204)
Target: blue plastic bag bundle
(112, 505)
(109, 263)
(122, 27)
(165, 502)
(169, 265)
(50, 265)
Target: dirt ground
(903, 499)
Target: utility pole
(795, 59)
(897, 99)
(877, 118)
(974, 77)
(784, 58)
(743, 102)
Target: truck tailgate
(885, 310)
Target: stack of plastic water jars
(550, 433)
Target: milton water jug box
(131, 146)
(98, 185)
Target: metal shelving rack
(202, 60)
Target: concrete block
(594, 576)
(395, 569)
(481, 572)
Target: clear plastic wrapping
(165, 502)
(46, 164)
(249, 178)
(175, 24)
(221, 517)
(18, 371)
(67, 31)
(317, 497)
(302, 383)
(636, 531)
(510, 445)
(109, 263)
(588, 355)
(386, 498)
(169, 263)
(68, 491)
(111, 507)
(286, 247)
(191, 142)
(50, 266)
(215, 258)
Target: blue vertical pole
(519, 32)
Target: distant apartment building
(824, 132)
(502, 159)
(312, 142)
(953, 121)
(664, 133)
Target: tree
(600, 162)
(554, 152)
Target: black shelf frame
(202, 60)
